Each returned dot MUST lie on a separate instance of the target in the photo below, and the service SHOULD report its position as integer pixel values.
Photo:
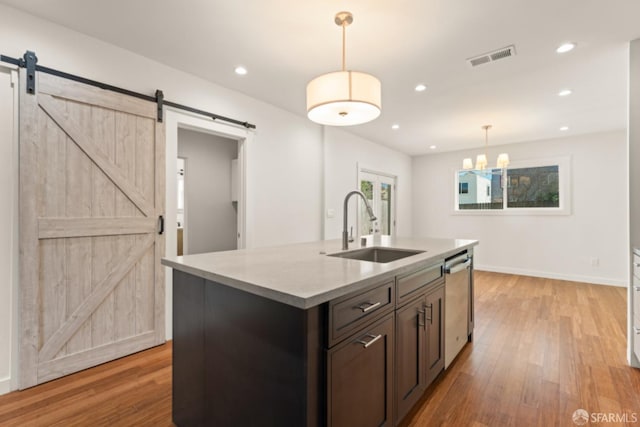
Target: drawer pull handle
(636, 330)
(366, 344)
(458, 267)
(430, 318)
(636, 264)
(636, 288)
(366, 306)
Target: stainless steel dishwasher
(458, 305)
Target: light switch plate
(331, 213)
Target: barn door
(91, 193)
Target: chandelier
(481, 159)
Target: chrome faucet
(345, 233)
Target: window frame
(564, 189)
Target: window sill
(513, 212)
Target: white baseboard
(558, 276)
(5, 385)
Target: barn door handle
(160, 224)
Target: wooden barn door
(91, 193)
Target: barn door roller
(31, 60)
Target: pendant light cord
(486, 140)
(344, 50)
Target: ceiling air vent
(496, 55)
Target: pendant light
(481, 159)
(344, 98)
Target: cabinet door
(360, 381)
(434, 306)
(410, 355)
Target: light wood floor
(132, 391)
(542, 349)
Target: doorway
(206, 212)
(380, 191)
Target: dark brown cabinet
(419, 346)
(410, 355)
(360, 378)
(434, 321)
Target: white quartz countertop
(302, 275)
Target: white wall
(556, 246)
(8, 226)
(343, 154)
(210, 223)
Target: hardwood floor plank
(542, 349)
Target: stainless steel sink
(376, 254)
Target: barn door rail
(30, 62)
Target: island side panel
(188, 403)
(262, 359)
(316, 363)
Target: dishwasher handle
(458, 267)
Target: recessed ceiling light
(566, 47)
(433, 147)
(564, 92)
(564, 128)
(240, 70)
(421, 88)
(395, 126)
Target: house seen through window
(514, 188)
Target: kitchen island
(293, 336)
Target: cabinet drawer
(636, 266)
(411, 284)
(345, 315)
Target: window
(478, 186)
(528, 187)
(537, 187)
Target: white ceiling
(285, 43)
